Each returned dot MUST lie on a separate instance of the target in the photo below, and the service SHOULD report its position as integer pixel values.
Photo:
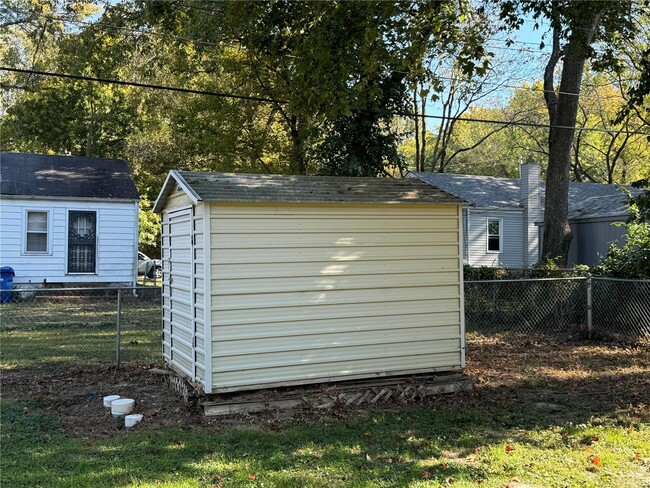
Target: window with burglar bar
(82, 242)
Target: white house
(503, 219)
(68, 219)
(273, 280)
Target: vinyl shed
(281, 280)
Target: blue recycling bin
(6, 283)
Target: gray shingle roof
(586, 200)
(41, 175)
(233, 187)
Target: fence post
(590, 323)
(118, 327)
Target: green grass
(55, 346)
(53, 330)
(415, 447)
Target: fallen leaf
(595, 438)
(252, 477)
(637, 455)
(595, 460)
(509, 448)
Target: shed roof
(42, 175)
(586, 200)
(255, 188)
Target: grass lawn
(543, 414)
(413, 447)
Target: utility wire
(284, 102)
(105, 26)
(142, 85)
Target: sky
(526, 64)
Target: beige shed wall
(309, 293)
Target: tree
(576, 26)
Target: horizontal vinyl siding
(178, 320)
(324, 292)
(512, 245)
(116, 241)
(197, 285)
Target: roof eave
(166, 190)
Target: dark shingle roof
(40, 175)
(232, 187)
(586, 200)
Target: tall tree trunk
(298, 166)
(417, 130)
(562, 110)
(423, 137)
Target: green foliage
(640, 204)
(542, 269)
(632, 260)
(149, 230)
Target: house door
(82, 242)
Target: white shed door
(178, 307)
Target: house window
(82, 242)
(36, 232)
(494, 235)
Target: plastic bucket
(122, 407)
(132, 420)
(110, 399)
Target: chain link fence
(621, 308)
(108, 326)
(66, 326)
(596, 307)
(548, 305)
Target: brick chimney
(529, 197)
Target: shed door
(178, 306)
(82, 242)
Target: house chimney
(529, 198)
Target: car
(143, 259)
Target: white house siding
(183, 281)
(308, 293)
(512, 238)
(117, 224)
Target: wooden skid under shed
(356, 393)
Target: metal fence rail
(62, 326)
(545, 305)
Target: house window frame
(48, 232)
(67, 241)
(488, 235)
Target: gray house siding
(591, 240)
(512, 254)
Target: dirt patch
(568, 380)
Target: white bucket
(122, 407)
(110, 399)
(131, 420)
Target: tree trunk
(297, 165)
(563, 111)
(416, 119)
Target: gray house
(503, 220)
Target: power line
(142, 85)
(105, 26)
(284, 102)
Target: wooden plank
(349, 395)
